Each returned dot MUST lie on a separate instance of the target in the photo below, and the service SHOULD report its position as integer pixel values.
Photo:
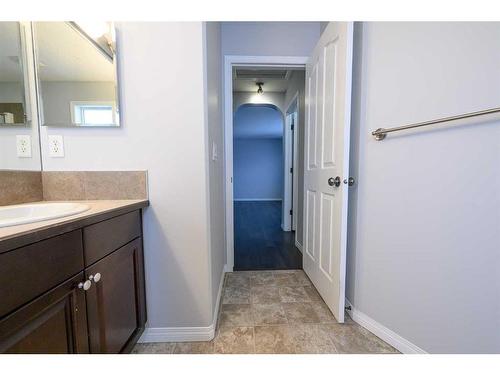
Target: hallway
(276, 312)
(259, 242)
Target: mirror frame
(113, 58)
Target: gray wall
(215, 126)
(258, 169)
(269, 38)
(423, 252)
(297, 84)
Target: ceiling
(274, 79)
(64, 54)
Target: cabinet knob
(95, 277)
(85, 285)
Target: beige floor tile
(235, 340)
(238, 280)
(199, 347)
(313, 293)
(264, 278)
(293, 294)
(352, 338)
(287, 278)
(274, 340)
(268, 314)
(323, 312)
(154, 348)
(300, 312)
(236, 315)
(236, 295)
(312, 339)
(265, 295)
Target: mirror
(76, 71)
(19, 139)
(13, 101)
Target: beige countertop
(97, 207)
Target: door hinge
(293, 127)
(291, 170)
(291, 212)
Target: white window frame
(96, 103)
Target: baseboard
(258, 200)
(298, 245)
(184, 334)
(381, 331)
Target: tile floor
(276, 312)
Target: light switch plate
(215, 156)
(56, 146)
(23, 146)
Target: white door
(328, 111)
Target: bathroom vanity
(76, 284)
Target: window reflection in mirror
(76, 68)
(12, 88)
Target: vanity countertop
(20, 235)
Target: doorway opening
(265, 167)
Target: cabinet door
(53, 323)
(116, 302)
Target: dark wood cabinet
(55, 323)
(100, 309)
(115, 303)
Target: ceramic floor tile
(237, 280)
(274, 340)
(235, 340)
(352, 338)
(236, 315)
(264, 278)
(199, 347)
(323, 312)
(265, 295)
(154, 348)
(236, 295)
(293, 294)
(300, 312)
(268, 314)
(312, 339)
(312, 293)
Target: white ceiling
(66, 55)
(274, 79)
(10, 69)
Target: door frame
(231, 61)
(295, 161)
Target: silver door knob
(334, 181)
(95, 277)
(350, 181)
(85, 285)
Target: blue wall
(258, 168)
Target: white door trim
(295, 161)
(229, 62)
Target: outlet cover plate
(56, 146)
(23, 146)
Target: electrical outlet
(23, 146)
(56, 146)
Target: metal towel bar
(381, 133)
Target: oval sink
(30, 213)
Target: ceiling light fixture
(259, 90)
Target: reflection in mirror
(76, 66)
(20, 166)
(12, 90)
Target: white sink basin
(30, 213)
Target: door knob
(334, 181)
(95, 277)
(350, 181)
(85, 285)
